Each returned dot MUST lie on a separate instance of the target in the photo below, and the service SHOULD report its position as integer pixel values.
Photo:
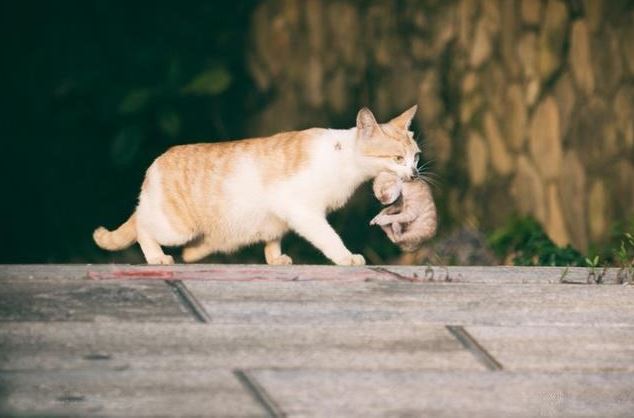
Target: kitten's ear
(366, 124)
(403, 120)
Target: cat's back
(274, 156)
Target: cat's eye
(416, 158)
(399, 159)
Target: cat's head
(387, 187)
(388, 146)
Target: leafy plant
(524, 242)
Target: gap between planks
(189, 300)
(259, 394)
(474, 347)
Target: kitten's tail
(120, 238)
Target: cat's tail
(120, 238)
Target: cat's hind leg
(197, 250)
(151, 249)
(273, 254)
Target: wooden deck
(238, 340)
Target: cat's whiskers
(423, 173)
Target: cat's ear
(403, 120)
(366, 124)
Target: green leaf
(125, 146)
(170, 123)
(211, 82)
(135, 101)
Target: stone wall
(527, 106)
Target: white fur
(263, 211)
(150, 215)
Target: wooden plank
(317, 393)
(115, 346)
(205, 392)
(77, 300)
(259, 272)
(512, 274)
(400, 302)
(597, 349)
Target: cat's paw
(161, 259)
(352, 260)
(282, 260)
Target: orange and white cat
(222, 196)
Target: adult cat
(222, 196)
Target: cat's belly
(230, 232)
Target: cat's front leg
(273, 254)
(315, 228)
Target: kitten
(222, 196)
(411, 219)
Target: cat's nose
(413, 173)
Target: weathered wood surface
(580, 348)
(210, 340)
(325, 393)
(201, 392)
(73, 300)
(150, 346)
(228, 272)
(399, 303)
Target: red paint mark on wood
(255, 274)
(132, 274)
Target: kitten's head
(387, 188)
(388, 146)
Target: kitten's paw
(161, 259)
(378, 220)
(282, 260)
(352, 260)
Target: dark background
(93, 92)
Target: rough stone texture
(439, 145)
(500, 158)
(624, 174)
(580, 57)
(429, 98)
(555, 71)
(551, 39)
(527, 53)
(516, 116)
(508, 37)
(624, 109)
(555, 225)
(594, 10)
(597, 210)
(627, 46)
(531, 11)
(607, 63)
(565, 97)
(545, 139)
(528, 189)
(594, 133)
(481, 49)
(478, 158)
(572, 181)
